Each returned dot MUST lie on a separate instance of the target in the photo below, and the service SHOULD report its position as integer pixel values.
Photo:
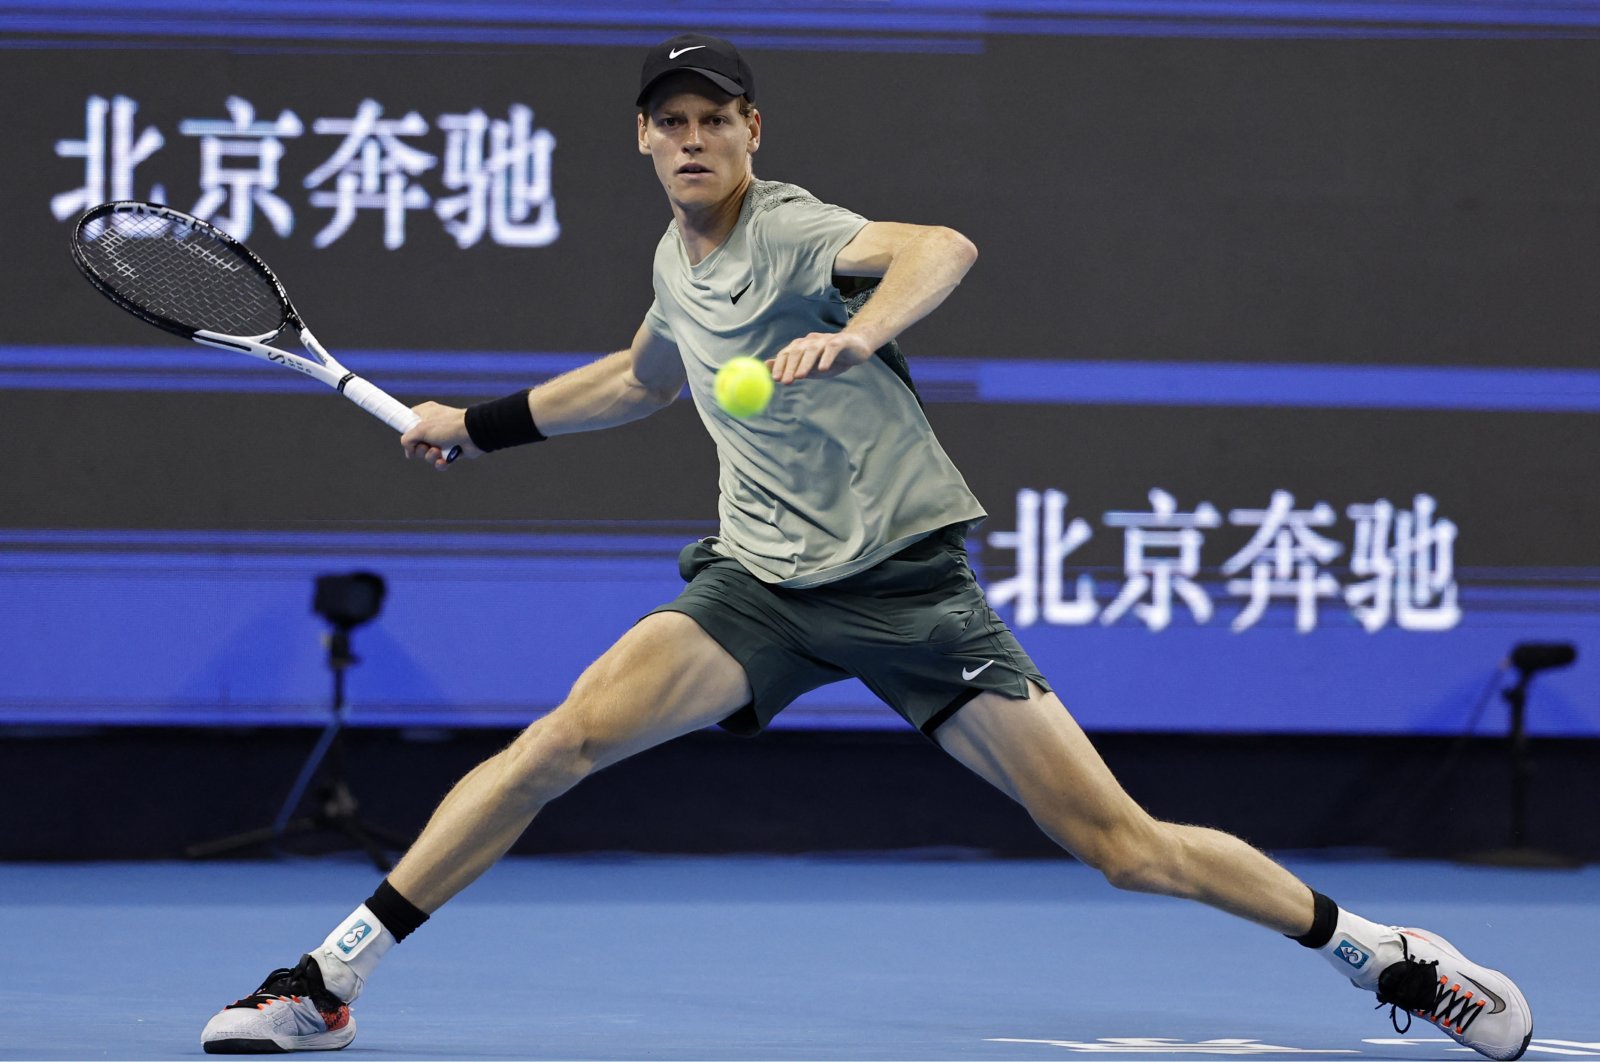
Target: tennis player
(840, 554)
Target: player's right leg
(665, 677)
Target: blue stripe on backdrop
(173, 33)
(877, 26)
(215, 628)
(1157, 383)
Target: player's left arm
(920, 266)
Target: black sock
(1324, 919)
(399, 915)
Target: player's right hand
(439, 428)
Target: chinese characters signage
(494, 184)
(1400, 566)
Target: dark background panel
(588, 291)
(1518, 485)
(1347, 201)
(232, 462)
(1511, 482)
(1316, 201)
(799, 792)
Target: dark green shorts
(916, 629)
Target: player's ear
(755, 130)
(644, 145)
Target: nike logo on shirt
(736, 296)
(679, 51)
(968, 676)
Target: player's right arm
(615, 389)
(620, 387)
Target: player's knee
(546, 760)
(1140, 857)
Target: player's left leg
(1034, 751)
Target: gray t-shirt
(836, 474)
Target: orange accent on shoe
(337, 1019)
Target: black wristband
(503, 422)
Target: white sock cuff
(352, 951)
(1358, 949)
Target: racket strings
(183, 274)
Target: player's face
(701, 146)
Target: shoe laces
(292, 984)
(1416, 987)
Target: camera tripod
(336, 809)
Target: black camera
(348, 601)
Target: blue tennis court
(940, 957)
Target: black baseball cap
(711, 57)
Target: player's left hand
(819, 354)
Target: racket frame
(322, 366)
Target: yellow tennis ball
(743, 387)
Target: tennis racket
(189, 277)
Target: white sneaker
(291, 1011)
(1476, 1006)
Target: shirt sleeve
(657, 322)
(804, 237)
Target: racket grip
(386, 408)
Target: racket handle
(386, 408)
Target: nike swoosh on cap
(679, 51)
